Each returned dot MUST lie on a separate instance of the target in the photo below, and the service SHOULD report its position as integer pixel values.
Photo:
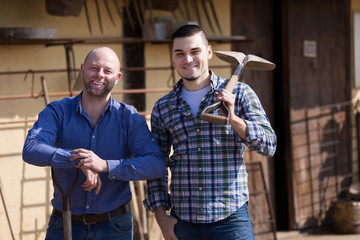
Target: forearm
(39, 153)
(261, 138)
(145, 167)
(239, 126)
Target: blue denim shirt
(121, 137)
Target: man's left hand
(88, 159)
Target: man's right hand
(166, 223)
(92, 181)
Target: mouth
(192, 67)
(97, 83)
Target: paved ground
(295, 235)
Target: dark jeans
(119, 228)
(237, 226)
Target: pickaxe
(241, 61)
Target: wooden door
(316, 76)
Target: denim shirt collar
(79, 108)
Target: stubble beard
(99, 92)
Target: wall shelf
(113, 40)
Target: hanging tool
(135, 208)
(32, 80)
(87, 16)
(142, 212)
(118, 10)
(149, 6)
(7, 212)
(109, 12)
(129, 15)
(139, 17)
(182, 11)
(70, 65)
(187, 9)
(44, 90)
(207, 15)
(354, 189)
(241, 61)
(197, 12)
(99, 15)
(215, 15)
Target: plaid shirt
(208, 172)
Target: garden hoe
(241, 61)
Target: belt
(97, 218)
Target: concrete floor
(295, 235)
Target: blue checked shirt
(208, 172)
(121, 137)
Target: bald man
(108, 141)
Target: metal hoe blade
(241, 61)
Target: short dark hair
(189, 30)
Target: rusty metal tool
(109, 12)
(99, 15)
(182, 11)
(87, 16)
(136, 211)
(128, 14)
(187, 9)
(197, 12)
(215, 15)
(118, 10)
(241, 61)
(207, 15)
(7, 212)
(140, 17)
(149, 6)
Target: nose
(101, 73)
(188, 58)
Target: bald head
(104, 52)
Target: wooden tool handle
(214, 118)
(230, 85)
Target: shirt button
(198, 130)
(200, 188)
(93, 136)
(200, 168)
(199, 149)
(87, 206)
(113, 177)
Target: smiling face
(190, 57)
(100, 72)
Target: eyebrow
(180, 50)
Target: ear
(210, 52)
(82, 70)
(118, 76)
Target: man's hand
(166, 223)
(237, 123)
(92, 181)
(88, 159)
(228, 99)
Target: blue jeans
(119, 227)
(237, 226)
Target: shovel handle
(230, 85)
(66, 210)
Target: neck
(94, 105)
(197, 84)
